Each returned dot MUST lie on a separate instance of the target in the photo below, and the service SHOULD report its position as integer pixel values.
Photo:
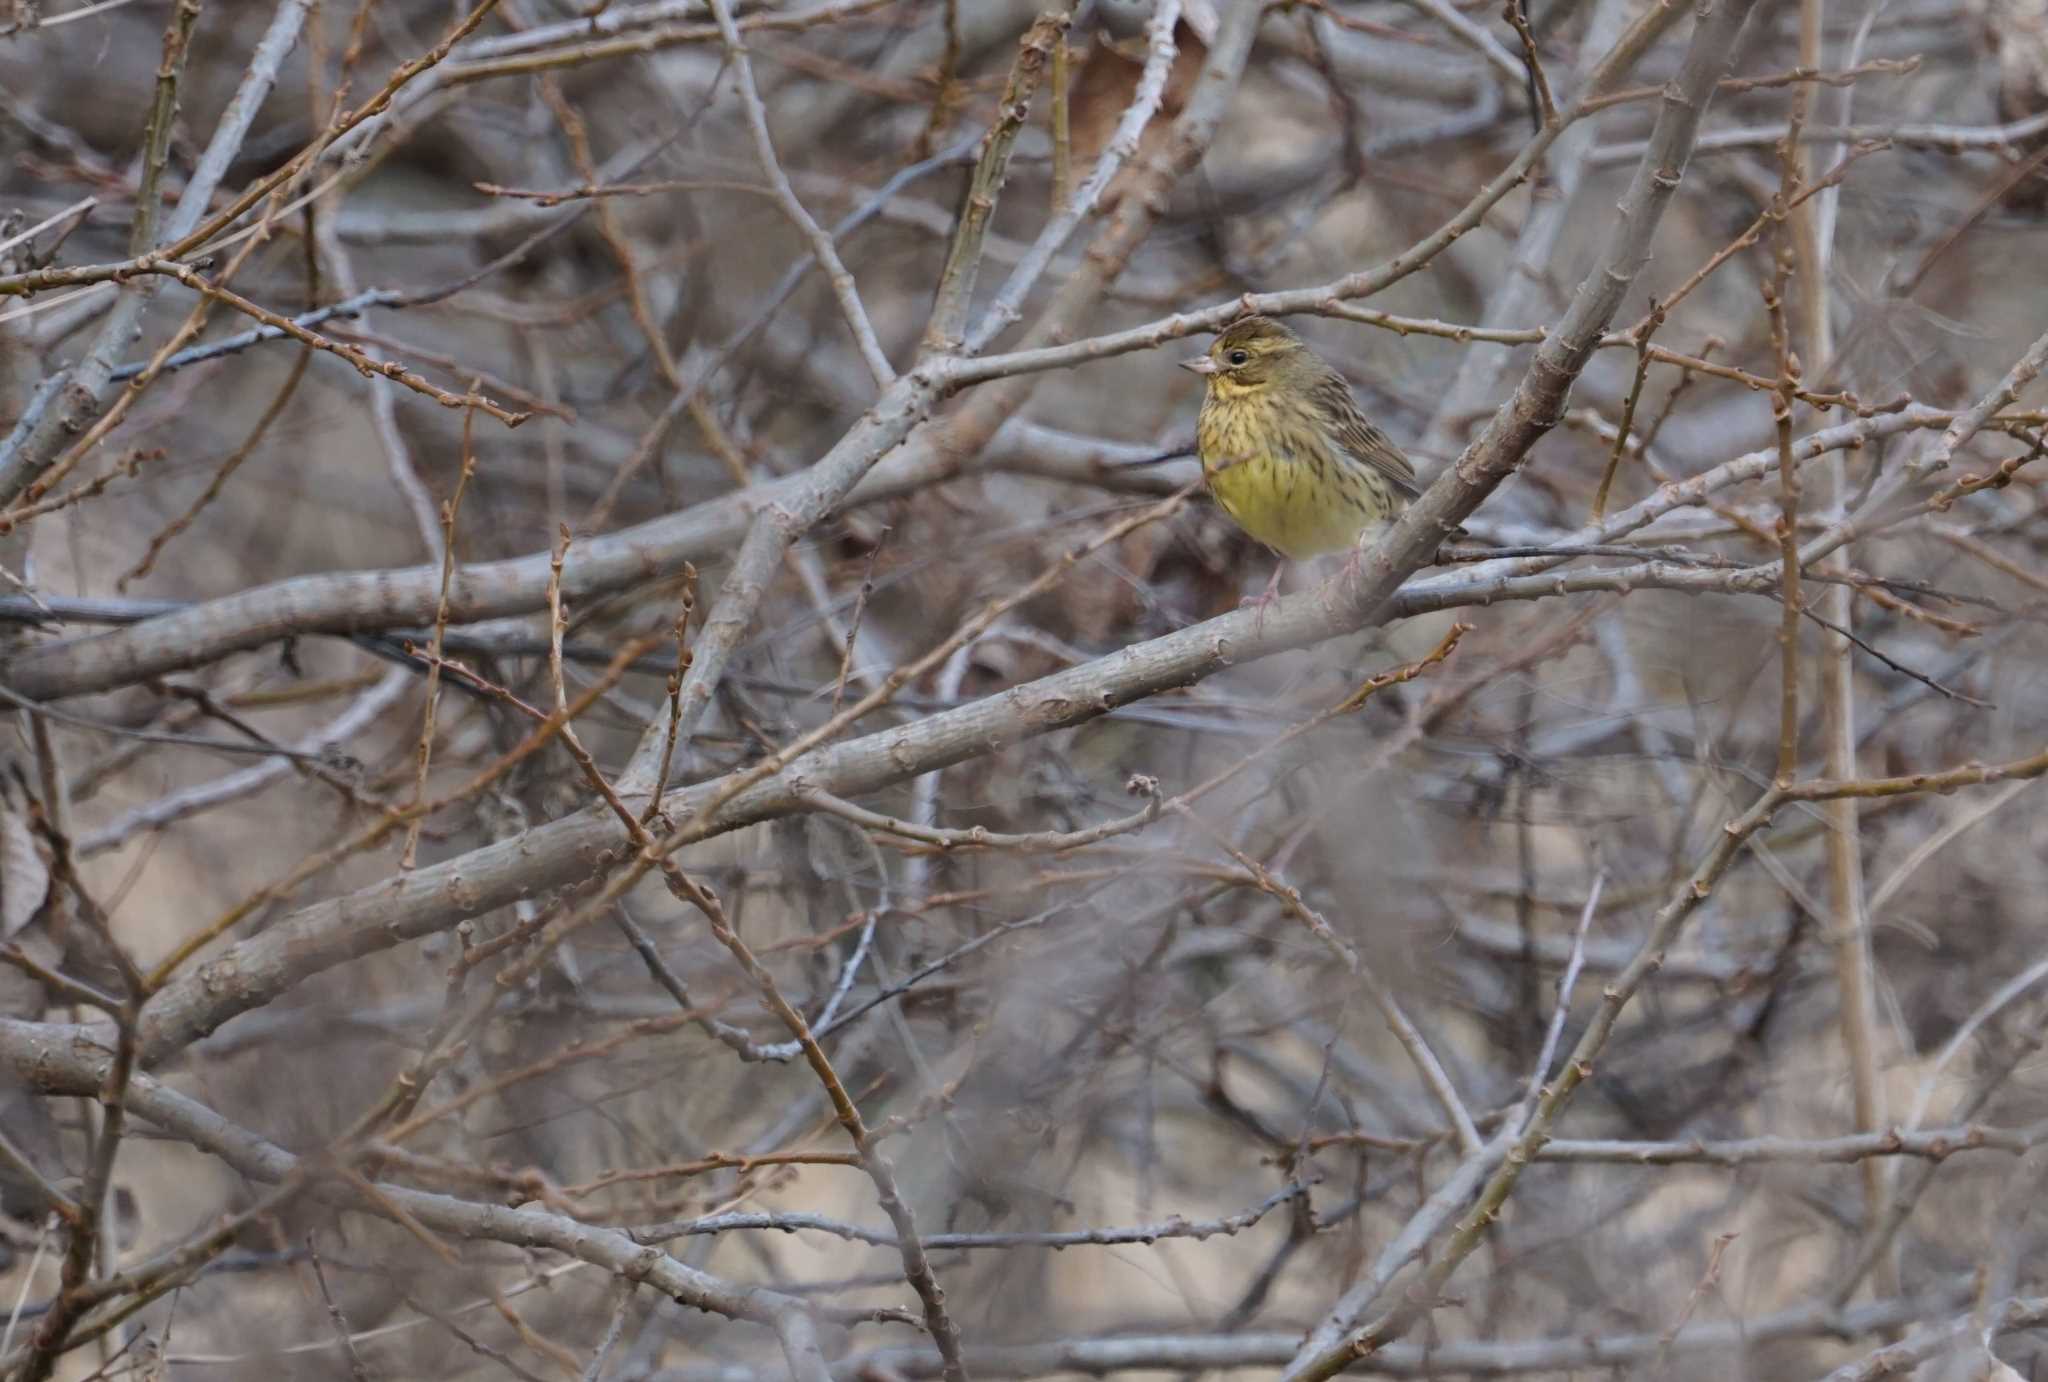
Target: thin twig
(424, 752)
(978, 204)
(822, 249)
(1788, 521)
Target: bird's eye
(1238, 357)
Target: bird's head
(1249, 356)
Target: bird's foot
(1347, 576)
(1262, 602)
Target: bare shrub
(631, 754)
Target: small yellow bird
(1284, 448)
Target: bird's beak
(1200, 364)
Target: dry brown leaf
(2018, 30)
(1108, 79)
(24, 870)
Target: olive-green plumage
(1285, 449)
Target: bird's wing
(1366, 443)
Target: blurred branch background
(630, 751)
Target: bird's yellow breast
(1274, 470)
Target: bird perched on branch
(1286, 451)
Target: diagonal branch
(991, 169)
(827, 255)
(1536, 406)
